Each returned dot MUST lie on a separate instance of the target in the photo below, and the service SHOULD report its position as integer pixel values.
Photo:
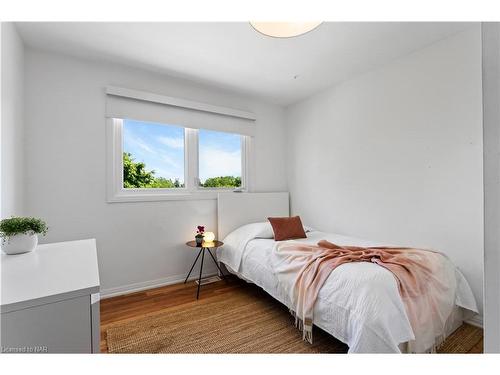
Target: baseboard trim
(476, 320)
(145, 285)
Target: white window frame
(191, 190)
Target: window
(153, 155)
(153, 161)
(219, 159)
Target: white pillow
(250, 231)
(262, 229)
(265, 230)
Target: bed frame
(237, 209)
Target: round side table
(204, 246)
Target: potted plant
(20, 234)
(199, 235)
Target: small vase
(19, 243)
(199, 241)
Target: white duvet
(359, 303)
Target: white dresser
(50, 299)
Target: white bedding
(359, 303)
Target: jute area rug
(245, 320)
(238, 322)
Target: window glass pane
(220, 159)
(153, 155)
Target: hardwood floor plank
(478, 348)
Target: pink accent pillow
(287, 228)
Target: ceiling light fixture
(284, 29)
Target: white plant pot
(19, 243)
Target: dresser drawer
(59, 327)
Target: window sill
(125, 196)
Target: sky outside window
(219, 154)
(160, 147)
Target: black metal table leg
(217, 264)
(187, 277)
(201, 270)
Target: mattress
(359, 303)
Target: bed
(359, 304)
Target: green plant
(26, 225)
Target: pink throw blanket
(426, 282)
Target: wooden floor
(137, 305)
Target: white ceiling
(236, 57)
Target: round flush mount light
(284, 29)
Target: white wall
(11, 191)
(491, 136)
(395, 155)
(138, 243)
